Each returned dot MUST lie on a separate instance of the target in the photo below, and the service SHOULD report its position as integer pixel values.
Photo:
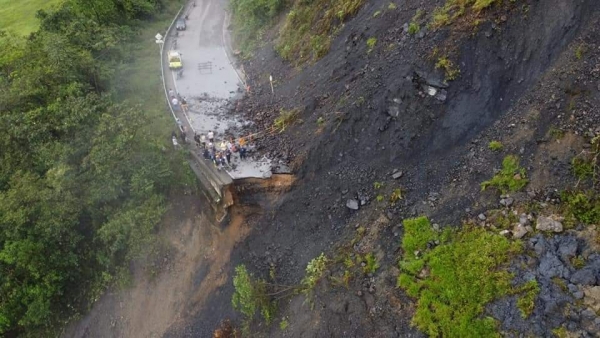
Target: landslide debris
(426, 97)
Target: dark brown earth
(521, 79)
(519, 73)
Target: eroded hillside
(446, 155)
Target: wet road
(209, 81)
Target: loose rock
(548, 224)
(352, 204)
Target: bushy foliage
(452, 9)
(582, 206)
(526, 301)
(453, 281)
(250, 295)
(250, 19)
(310, 21)
(371, 264)
(82, 183)
(511, 177)
(495, 146)
(314, 272)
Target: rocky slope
(529, 78)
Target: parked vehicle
(175, 61)
(180, 25)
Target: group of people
(176, 100)
(220, 154)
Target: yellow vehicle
(175, 60)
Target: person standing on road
(228, 156)
(175, 102)
(211, 136)
(197, 139)
(203, 140)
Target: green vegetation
(395, 196)
(495, 146)
(560, 283)
(19, 16)
(454, 280)
(413, 26)
(250, 296)
(371, 264)
(310, 25)
(510, 179)
(584, 165)
(321, 121)
(451, 71)
(285, 119)
(561, 332)
(582, 168)
(556, 133)
(526, 302)
(578, 262)
(392, 6)
(453, 9)
(283, 324)
(579, 51)
(371, 42)
(581, 206)
(85, 169)
(377, 185)
(314, 272)
(250, 18)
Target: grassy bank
(19, 16)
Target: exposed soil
(520, 80)
(191, 269)
(518, 68)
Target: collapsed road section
(201, 85)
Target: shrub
(371, 264)
(251, 295)
(455, 280)
(526, 302)
(579, 51)
(308, 19)
(495, 146)
(441, 15)
(371, 42)
(250, 17)
(451, 72)
(392, 6)
(413, 28)
(314, 272)
(285, 119)
(395, 196)
(582, 168)
(510, 179)
(283, 324)
(583, 206)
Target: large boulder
(585, 276)
(550, 223)
(551, 266)
(592, 297)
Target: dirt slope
(518, 75)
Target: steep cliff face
(415, 110)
